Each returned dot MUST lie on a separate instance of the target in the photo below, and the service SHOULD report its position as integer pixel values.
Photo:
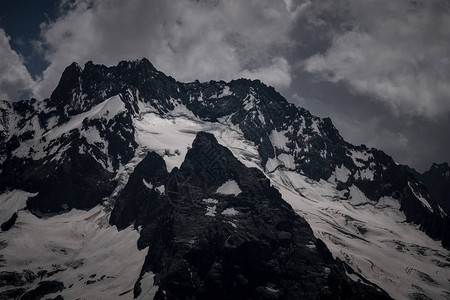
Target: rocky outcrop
(437, 182)
(9, 223)
(78, 182)
(140, 195)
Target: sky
(379, 69)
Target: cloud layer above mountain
(187, 39)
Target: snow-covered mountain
(126, 183)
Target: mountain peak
(144, 61)
(140, 64)
(69, 80)
(441, 166)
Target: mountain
(126, 182)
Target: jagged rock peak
(69, 80)
(441, 166)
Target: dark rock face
(18, 280)
(134, 202)
(79, 182)
(76, 180)
(9, 223)
(44, 288)
(11, 279)
(207, 245)
(79, 90)
(437, 182)
(12, 293)
(70, 81)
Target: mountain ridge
(329, 150)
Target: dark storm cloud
(397, 51)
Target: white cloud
(14, 77)
(277, 74)
(186, 39)
(397, 51)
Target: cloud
(14, 77)
(186, 39)
(396, 51)
(277, 74)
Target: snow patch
(231, 211)
(284, 160)
(161, 189)
(225, 92)
(287, 160)
(147, 184)
(249, 101)
(148, 286)
(279, 139)
(360, 156)
(156, 133)
(366, 174)
(110, 109)
(181, 110)
(210, 201)
(99, 110)
(229, 188)
(420, 198)
(341, 174)
(210, 209)
(315, 127)
(357, 197)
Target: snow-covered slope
(78, 248)
(373, 238)
(77, 149)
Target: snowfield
(82, 250)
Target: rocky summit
(127, 184)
